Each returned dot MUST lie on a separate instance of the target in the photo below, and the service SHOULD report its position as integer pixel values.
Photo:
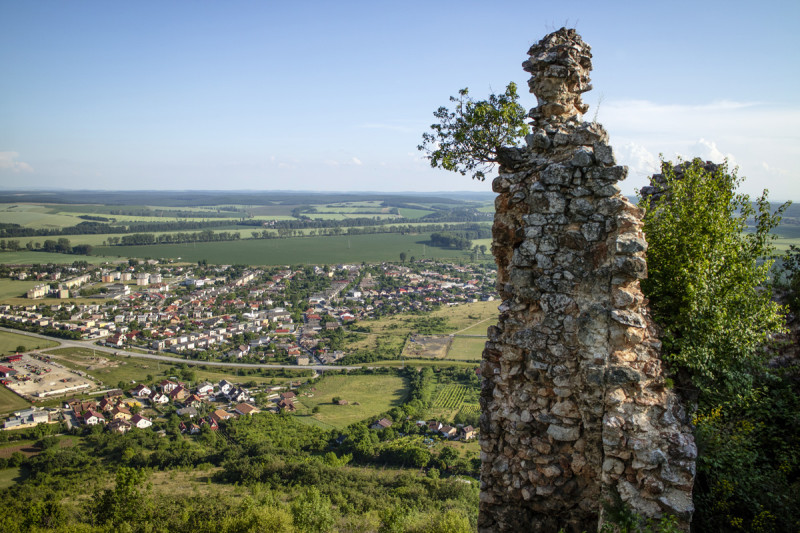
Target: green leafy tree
(312, 512)
(468, 139)
(707, 277)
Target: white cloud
(640, 160)
(7, 162)
(708, 151)
(357, 161)
(757, 138)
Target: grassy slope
(374, 394)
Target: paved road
(89, 344)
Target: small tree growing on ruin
(468, 138)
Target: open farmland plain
(305, 250)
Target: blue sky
(319, 95)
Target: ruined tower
(575, 410)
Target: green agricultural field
(10, 341)
(367, 395)
(466, 349)
(133, 219)
(411, 213)
(42, 258)
(308, 250)
(10, 402)
(100, 239)
(449, 400)
(488, 208)
(35, 216)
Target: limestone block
(561, 433)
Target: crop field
(41, 258)
(411, 213)
(470, 408)
(35, 216)
(99, 239)
(466, 348)
(366, 395)
(10, 341)
(450, 397)
(305, 250)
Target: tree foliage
(467, 139)
(707, 276)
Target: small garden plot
(427, 346)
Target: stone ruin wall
(575, 411)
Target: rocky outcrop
(574, 405)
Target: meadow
(391, 331)
(466, 348)
(367, 395)
(10, 341)
(12, 288)
(10, 402)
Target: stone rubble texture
(575, 410)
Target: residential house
(383, 423)
(121, 413)
(119, 426)
(448, 431)
(178, 393)
(167, 386)
(225, 386)
(141, 422)
(287, 405)
(205, 389)
(159, 398)
(246, 409)
(92, 418)
(219, 415)
(141, 391)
